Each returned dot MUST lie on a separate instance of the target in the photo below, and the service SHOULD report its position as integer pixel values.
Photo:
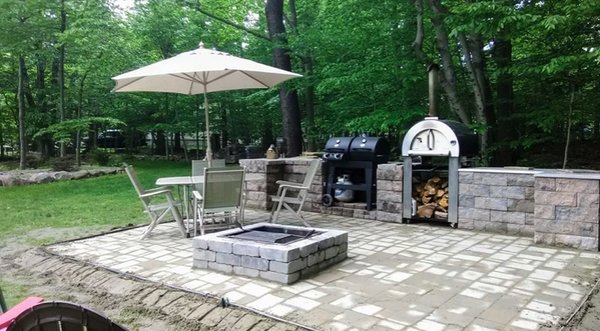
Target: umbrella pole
(208, 148)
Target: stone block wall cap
(569, 174)
(503, 170)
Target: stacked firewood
(431, 197)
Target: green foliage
(63, 164)
(363, 68)
(63, 131)
(99, 157)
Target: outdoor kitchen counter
(555, 207)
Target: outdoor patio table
(187, 181)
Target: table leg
(186, 205)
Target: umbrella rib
(229, 72)
(186, 76)
(254, 78)
(127, 84)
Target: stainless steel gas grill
(357, 158)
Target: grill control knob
(338, 156)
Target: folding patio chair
(156, 210)
(220, 203)
(283, 199)
(198, 167)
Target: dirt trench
(133, 303)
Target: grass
(71, 209)
(106, 202)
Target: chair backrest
(310, 175)
(311, 172)
(139, 189)
(199, 165)
(223, 188)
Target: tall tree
(288, 97)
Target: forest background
(524, 74)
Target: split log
(438, 215)
(425, 211)
(431, 196)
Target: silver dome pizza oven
(432, 152)
(436, 185)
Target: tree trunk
(309, 107)
(79, 112)
(448, 76)
(21, 105)
(61, 73)
(505, 129)
(309, 91)
(569, 124)
(472, 48)
(288, 98)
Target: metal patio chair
(156, 210)
(220, 203)
(198, 167)
(284, 199)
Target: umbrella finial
(200, 45)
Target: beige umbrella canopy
(201, 71)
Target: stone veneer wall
(554, 207)
(496, 200)
(567, 209)
(389, 192)
(291, 169)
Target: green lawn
(101, 202)
(31, 215)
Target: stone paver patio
(396, 277)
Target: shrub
(63, 164)
(100, 157)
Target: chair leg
(176, 215)
(297, 213)
(154, 223)
(179, 221)
(275, 217)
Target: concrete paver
(396, 277)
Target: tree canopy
(524, 74)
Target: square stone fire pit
(280, 253)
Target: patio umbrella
(201, 71)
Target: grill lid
(432, 137)
(338, 148)
(369, 149)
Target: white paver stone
(245, 249)
(255, 263)
(204, 255)
(279, 254)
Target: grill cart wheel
(327, 200)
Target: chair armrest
(197, 195)
(159, 188)
(283, 183)
(155, 192)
